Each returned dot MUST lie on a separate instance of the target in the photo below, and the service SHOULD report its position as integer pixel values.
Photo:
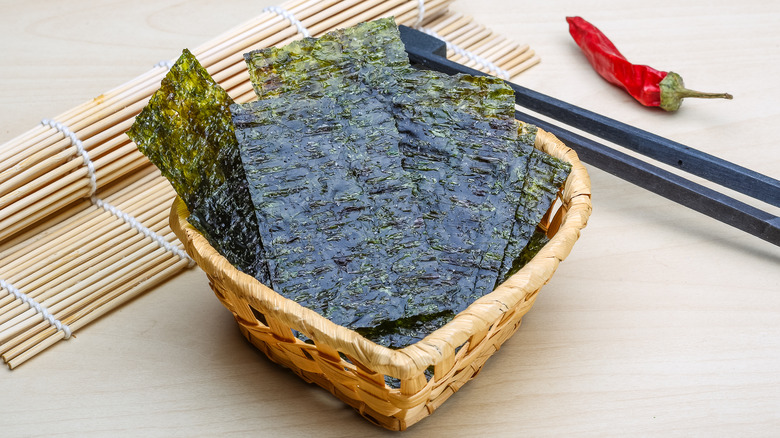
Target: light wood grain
(660, 323)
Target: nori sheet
(454, 136)
(336, 211)
(367, 57)
(544, 175)
(462, 156)
(459, 141)
(186, 130)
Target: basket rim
(412, 360)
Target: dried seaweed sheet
(186, 130)
(545, 174)
(450, 126)
(366, 57)
(458, 141)
(406, 331)
(336, 212)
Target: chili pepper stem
(673, 92)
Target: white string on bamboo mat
(38, 307)
(133, 222)
(130, 220)
(420, 13)
(289, 16)
(490, 66)
(80, 148)
(165, 63)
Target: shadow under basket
(353, 368)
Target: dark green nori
(458, 138)
(342, 232)
(362, 57)
(454, 137)
(458, 141)
(538, 240)
(544, 175)
(406, 331)
(187, 132)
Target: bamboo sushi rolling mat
(84, 215)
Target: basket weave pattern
(353, 368)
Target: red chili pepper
(649, 86)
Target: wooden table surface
(662, 322)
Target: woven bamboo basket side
(353, 368)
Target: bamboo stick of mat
(47, 220)
(74, 241)
(77, 250)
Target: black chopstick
(667, 184)
(429, 52)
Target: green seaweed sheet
(336, 210)
(544, 175)
(367, 57)
(186, 130)
(447, 125)
(463, 157)
(458, 139)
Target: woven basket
(353, 368)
